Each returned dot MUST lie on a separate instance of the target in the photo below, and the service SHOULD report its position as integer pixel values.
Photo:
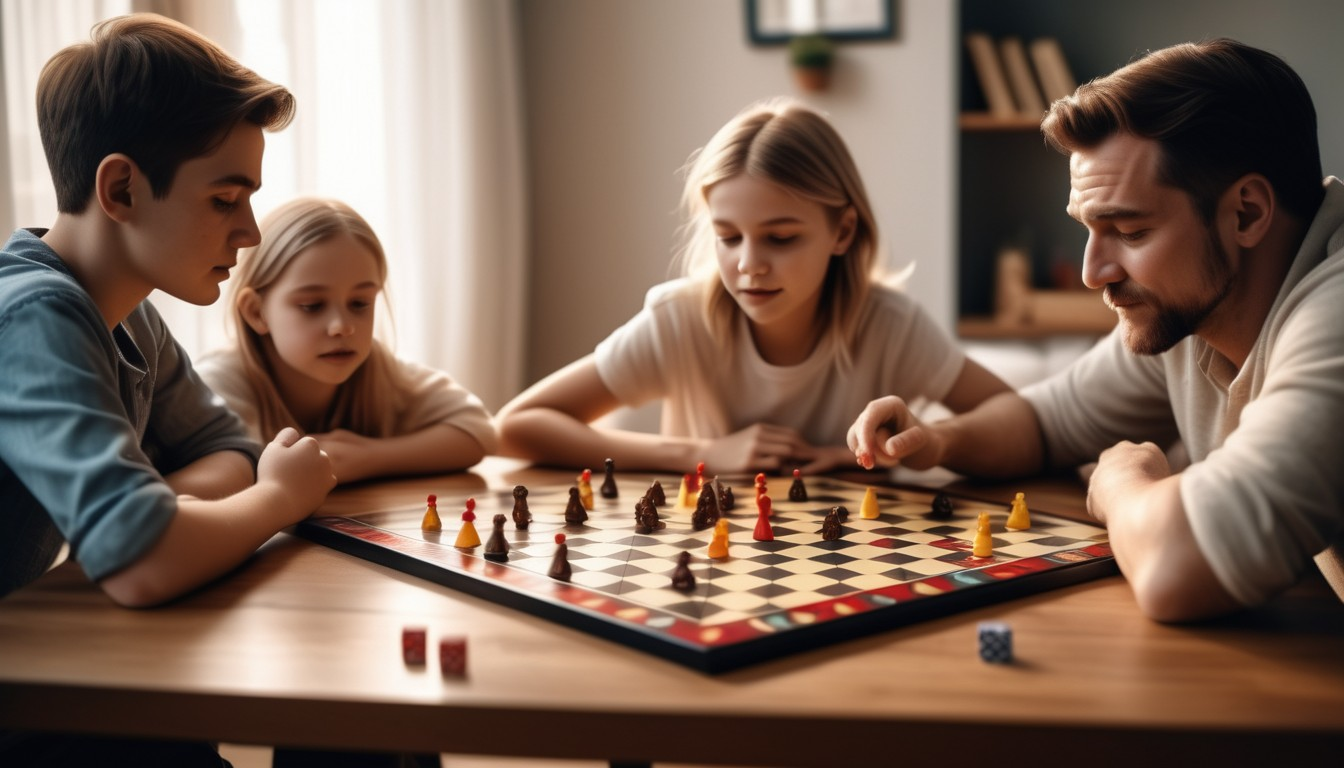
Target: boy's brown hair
(150, 88)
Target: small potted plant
(812, 57)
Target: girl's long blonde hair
(784, 142)
(367, 402)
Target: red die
(453, 655)
(413, 645)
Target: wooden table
(301, 646)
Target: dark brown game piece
(726, 501)
(706, 512)
(656, 495)
(497, 547)
(575, 514)
(797, 491)
(560, 569)
(682, 578)
(522, 516)
(842, 512)
(942, 507)
(646, 517)
(830, 527)
(609, 481)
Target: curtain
(409, 110)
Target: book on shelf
(1053, 69)
(990, 74)
(1021, 79)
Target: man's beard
(1172, 323)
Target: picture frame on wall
(775, 22)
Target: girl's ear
(249, 306)
(844, 237)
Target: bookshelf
(1012, 189)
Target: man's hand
(1123, 470)
(886, 433)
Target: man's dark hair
(1218, 109)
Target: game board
(768, 599)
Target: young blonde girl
(773, 339)
(305, 355)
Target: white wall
(619, 92)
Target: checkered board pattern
(767, 599)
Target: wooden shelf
(1048, 313)
(986, 121)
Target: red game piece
(764, 531)
(453, 655)
(413, 645)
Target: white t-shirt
(434, 398)
(1265, 490)
(666, 352)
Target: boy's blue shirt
(90, 421)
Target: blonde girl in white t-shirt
(775, 337)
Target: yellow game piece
(718, 545)
(1019, 519)
(868, 507)
(431, 521)
(684, 495)
(983, 546)
(467, 536)
(586, 489)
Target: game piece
(609, 481)
(706, 511)
(830, 527)
(868, 507)
(764, 531)
(467, 536)
(646, 517)
(983, 544)
(682, 578)
(842, 513)
(699, 477)
(760, 484)
(1019, 519)
(585, 482)
(453, 656)
(684, 493)
(718, 545)
(575, 514)
(726, 500)
(413, 645)
(942, 507)
(497, 547)
(522, 516)
(560, 569)
(797, 491)
(656, 495)
(996, 642)
(431, 521)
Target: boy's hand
(886, 433)
(300, 468)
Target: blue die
(996, 642)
